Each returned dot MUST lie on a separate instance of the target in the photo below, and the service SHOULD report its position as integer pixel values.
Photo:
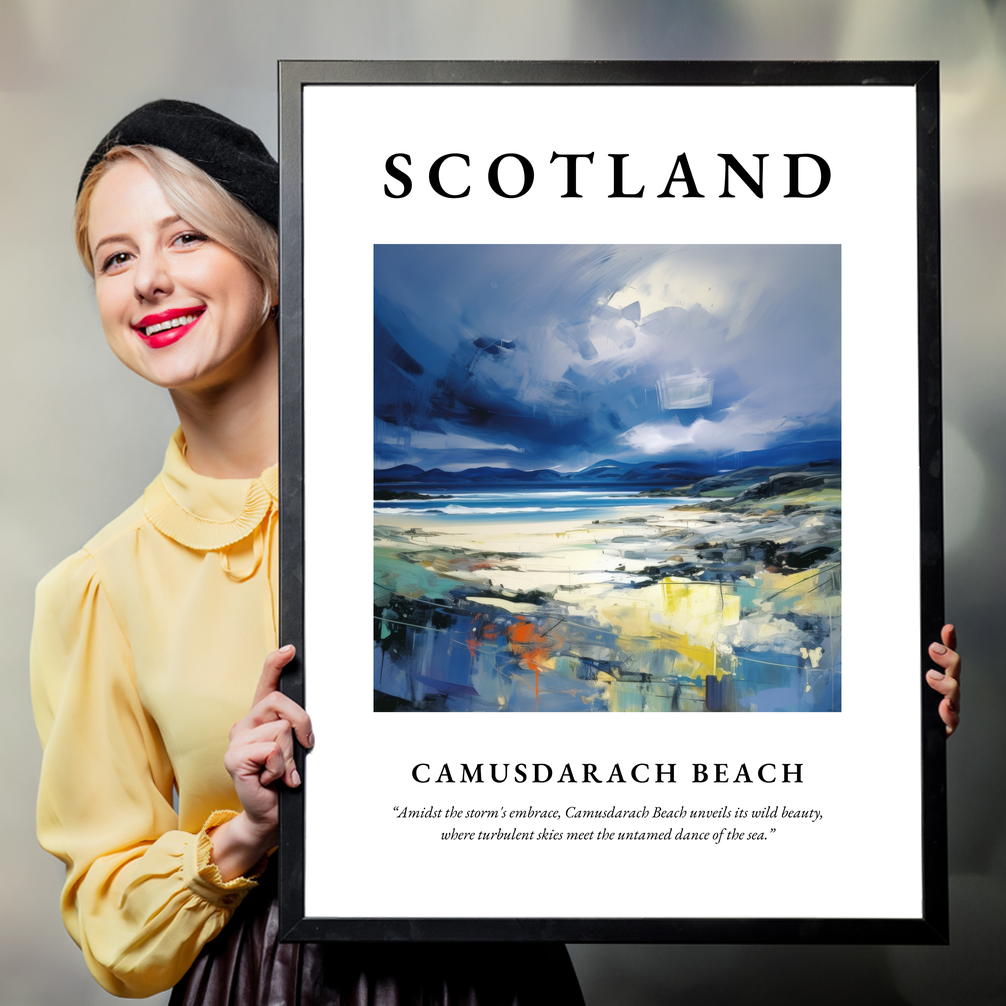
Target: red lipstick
(166, 327)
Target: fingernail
(310, 740)
(295, 777)
(287, 649)
(938, 648)
(936, 675)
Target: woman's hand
(260, 753)
(948, 681)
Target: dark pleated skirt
(246, 965)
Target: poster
(601, 387)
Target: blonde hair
(199, 200)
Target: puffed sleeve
(141, 898)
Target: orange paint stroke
(487, 632)
(532, 647)
(473, 640)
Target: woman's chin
(173, 374)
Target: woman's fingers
(947, 680)
(278, 735)
(277, 706)
(270, 703)
(949, 709)
(274, 766)
(947, 686)
(949, 660)
(950, 716)
(949, 636)
(259, 760)
(271, 671)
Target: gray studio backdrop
(82, 436)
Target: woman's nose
(152, 277)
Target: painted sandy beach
(697, 605)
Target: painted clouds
(561, 355)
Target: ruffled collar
(203, 513)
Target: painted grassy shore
(726, 601)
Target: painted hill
(749, 467)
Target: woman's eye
(114, 261)
(190, 238)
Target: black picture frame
(932, 925)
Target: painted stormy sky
(558, 356)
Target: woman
(148, 643)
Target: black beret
(231, 154)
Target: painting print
(607, 478)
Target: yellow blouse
(147, 647)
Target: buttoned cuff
(202, 876)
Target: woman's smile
(166, 327)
